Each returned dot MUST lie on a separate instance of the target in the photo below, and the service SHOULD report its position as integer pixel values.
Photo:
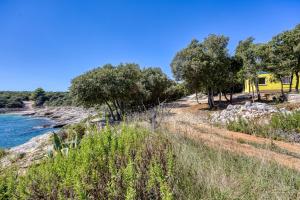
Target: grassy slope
(133, 163)
(211, 174)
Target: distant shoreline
(28, 108)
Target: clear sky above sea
(45, 43)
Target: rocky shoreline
(37, 147)
(62, 116)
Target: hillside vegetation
(129, 162)
(13, 99)
(10, 99)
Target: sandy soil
(189, 118)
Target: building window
(262, 81)
(286, 80)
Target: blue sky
(45, 43)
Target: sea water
(18, 129)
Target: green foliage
(13, 99)
(58, 99)
(279, 122)
(205, 66)
(2, 153)
(113, 163)
(57, 143)
(123, 88)
(155, 84)
(251, 127)
(128, 162)
(286, 122)
(38, 96)
(10, 99)
(176, 91)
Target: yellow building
(267, 83)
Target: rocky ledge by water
(62, 115)
(37, 148)
(30, 152)
(247, 111)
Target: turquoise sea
(17, 129)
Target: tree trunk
(231, 93)
(117, 110)
(297, 81)
(257, 89)
(224, 93)
(211, 102)
(252, 88)
(281, 83)
(291, 82)
(120, 108)
(197, 97)
(111, 111)
(220, 97)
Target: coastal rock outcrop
(64, 115)
(30, 152)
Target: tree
(283, 56)
(204, 66)
(91, 89)
(250, 54)
(233, 80)
(38, 96)
(155, 84)
(123, 88)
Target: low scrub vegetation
(13, 99)
(129, 162)
(279, 123)
(286, 122)
(42, 98)
(2, 153)
(10, 99)
(122, 163)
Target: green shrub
(251, 127)
(286, 122)
(122, 163)
(11, 102)
(2, 153)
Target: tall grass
(128, 162)
(206, 173)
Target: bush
(13, 99)
(11, 102)
(2, 153)
(286, 122)
(123, 163)
(279, 122)
(131, 163)
(176, 91)
(15, 103)
(58, 99)
(250, 127)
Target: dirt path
(190, 119)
